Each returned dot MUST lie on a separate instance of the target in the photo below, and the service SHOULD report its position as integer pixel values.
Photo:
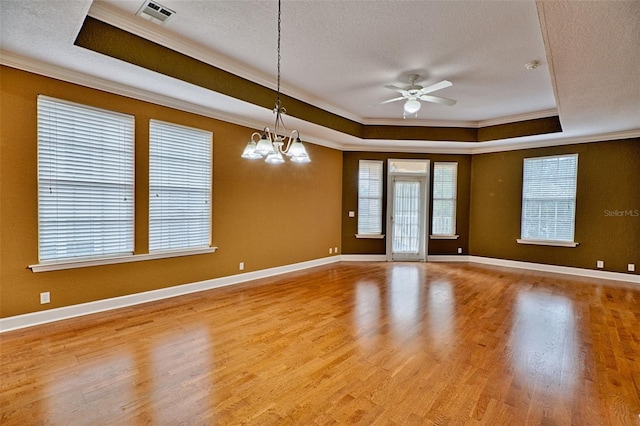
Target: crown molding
(498, 146)
(332, 141)
(472, 124)
(150, 31)
(402, 122)
(75, 77)
(436, 147)
(64, 74)
(425, 147)
(518, 117)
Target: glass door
(407, 212)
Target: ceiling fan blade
(396, 89)
(392, 100)
(443, 84)
(437, 100)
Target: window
(549, 198)
(85, 181)
(370, 198)
(445, 181)
(179, 187)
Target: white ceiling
(338, 55)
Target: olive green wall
(263, 215)
(353, 245)
(607, 206)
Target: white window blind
(549, 198)
(445, 181)
(85, 181)
(370, 197)
(179, 187)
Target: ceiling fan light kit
(415, 93)
(412, 106)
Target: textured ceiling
(594, 50)
(338, 55)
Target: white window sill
(548, 243)
(85, 262)
(444, 237)
(372, 236)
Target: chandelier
(273, 145)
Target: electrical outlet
(631, 267)
(242, 266)
(459, 250)
(352, 213)
(335, 250)
(330, 250)
(600, 264)
(45, 298)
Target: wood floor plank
(348, 343)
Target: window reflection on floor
(367, 313)
(543, 341)
(404, 305)
(103, 383)
(440, 309)
(184, 357)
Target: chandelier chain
(279, 31)
(273, 145)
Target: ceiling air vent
(155, 12)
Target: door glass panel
(409, 166)
(406, 217)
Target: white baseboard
(57, 314)
(447, 258)
(364, 257)
(66, 312)
(567, 270)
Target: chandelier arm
(283, 128)
(267, 132)
(276, 124)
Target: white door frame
(424, 180)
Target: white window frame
(375, 168)
(85, 183)
(61, 263)
(437, 166)
(180, 187)
(546, 187)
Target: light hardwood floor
(349, 343)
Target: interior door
(407, 218)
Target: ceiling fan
(415, 93)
